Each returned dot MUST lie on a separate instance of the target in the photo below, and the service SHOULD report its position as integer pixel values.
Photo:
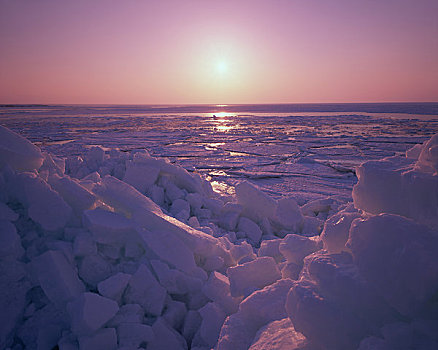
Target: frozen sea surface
(121, 250)
(310, 151)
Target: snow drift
(116, 250)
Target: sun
(221, 67)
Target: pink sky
(173, 52)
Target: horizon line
(210, 104)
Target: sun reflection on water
(223, 121)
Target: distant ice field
(308, 151)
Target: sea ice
(127, 314)
(295, 247)
(84, 244)
(428, 157)
(336, 230)
(271, 248)
(93, 269)
(253, 275)
(259, 309)
(7, 213)
(114, 286)
(104, 339)
(399, 258)
(94, 157)
(57, 277)
(251, 229)
(107, 227)
(212, 319)
(401, 185)
(134, 334)
(217, 289)
(140, 176)
(175, 313)
(256, 204)
(14, 286)
(278, 335)
(10, 242)
(17, 152)
(143, 289)
(288, 215)
(166, 337)
(78, 197)
(169, 248)
(45, 206)
(332, 305)
(215, 283)
(89, 312)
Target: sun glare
(221, 67)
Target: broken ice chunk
(133, 335)
(10, 242)
(45, 206)
(107, 227)
(95, 157)
(18, 152)
(256, 204)
(335, 232)
(259, 309)
(89, 312)
(314, 207)
(229, 216)
(193, 222)
(175, 313)
(253, 275)
(128, 313)
(179, 205)
(93, 269)
(114, 286)
(213, 263)
(399, 185)
(217, 289)
(192, 322)
(428, 157)
(7, 213)
(212, 319)
(288, 214)
(140, 176)
(77, 196)
(57, 277)
(143, 289)
(278, 335)
(195, 201)
(398, 256)
(173, 192)
(166, 337)
(242, 250)
(83, 245)
(157, 195)
(169, 248)
(104, 339)
(271, 248)
(146, 213)
(175, 281)
(295, 247)
(252, 230)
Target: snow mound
(398, 257)
(403, 185)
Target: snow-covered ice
(105, 249)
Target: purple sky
(138, 51)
